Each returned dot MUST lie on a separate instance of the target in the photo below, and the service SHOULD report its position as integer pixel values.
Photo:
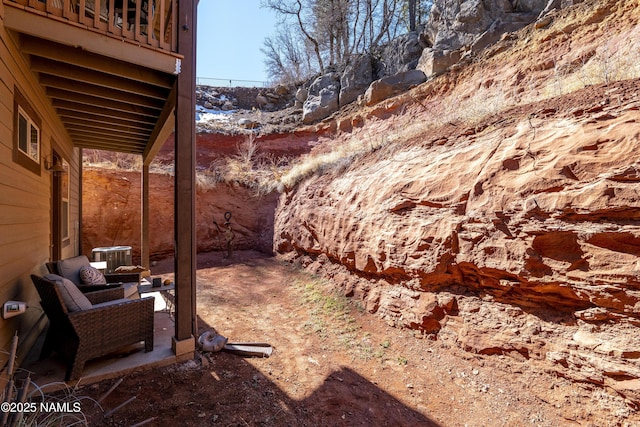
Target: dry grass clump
(339, 157)
(126, 162)
(248, 167)
(112, 160)
(611, 62)
(265, 173)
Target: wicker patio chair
(114, 280)
(79, 336)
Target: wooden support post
(185, 190)
(144, 218)
(78, 230)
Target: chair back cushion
(72, 297)
(70, 268)
(91, 276)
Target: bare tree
(376, 22)
(295, 9)
(286, 57)
(415, 12)
(332, 28)
(412, 5)
(337, 29)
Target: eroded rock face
(532, 240)
(111, 216)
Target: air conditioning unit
(115, 256)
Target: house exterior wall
(26, 197)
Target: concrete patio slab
(49, 373)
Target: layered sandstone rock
(518, 236)
(111, 214)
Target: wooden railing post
(158, 16)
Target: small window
(28, 136)
(26, 150)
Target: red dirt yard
(334, 365)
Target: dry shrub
(340, 157)
(248, 167)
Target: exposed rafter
(104, 102)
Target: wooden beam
(185, 191)
(96, 78)
(107, 139)
(43, 27)
(104, 122)
(160, 138)
(110, 133)
(164, 127)
(91, 61)
(86, 99)
(107, 147)
(80, 205)
(69, 107)
(100, 127)
(99, 92)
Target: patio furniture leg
(75, 366)
(75, 370)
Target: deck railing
(147, 22)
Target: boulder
(261, 100)
(326, 81)
(301, 94)
(533, 5)
(455, 24)
(393, 85)
(227, 106)
(322, 100)
(498, 28)
(435, 62)
(281, 90)
(400, 54)
(356, 78)
(320, 106)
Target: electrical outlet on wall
(13, 308)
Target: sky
(230, 36)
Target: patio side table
(166, 291)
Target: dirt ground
(335, 365)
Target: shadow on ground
(225, 389)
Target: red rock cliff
(517, 234)
(111, 214)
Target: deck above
(109, 75)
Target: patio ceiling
(103, 103)
(109, 94)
